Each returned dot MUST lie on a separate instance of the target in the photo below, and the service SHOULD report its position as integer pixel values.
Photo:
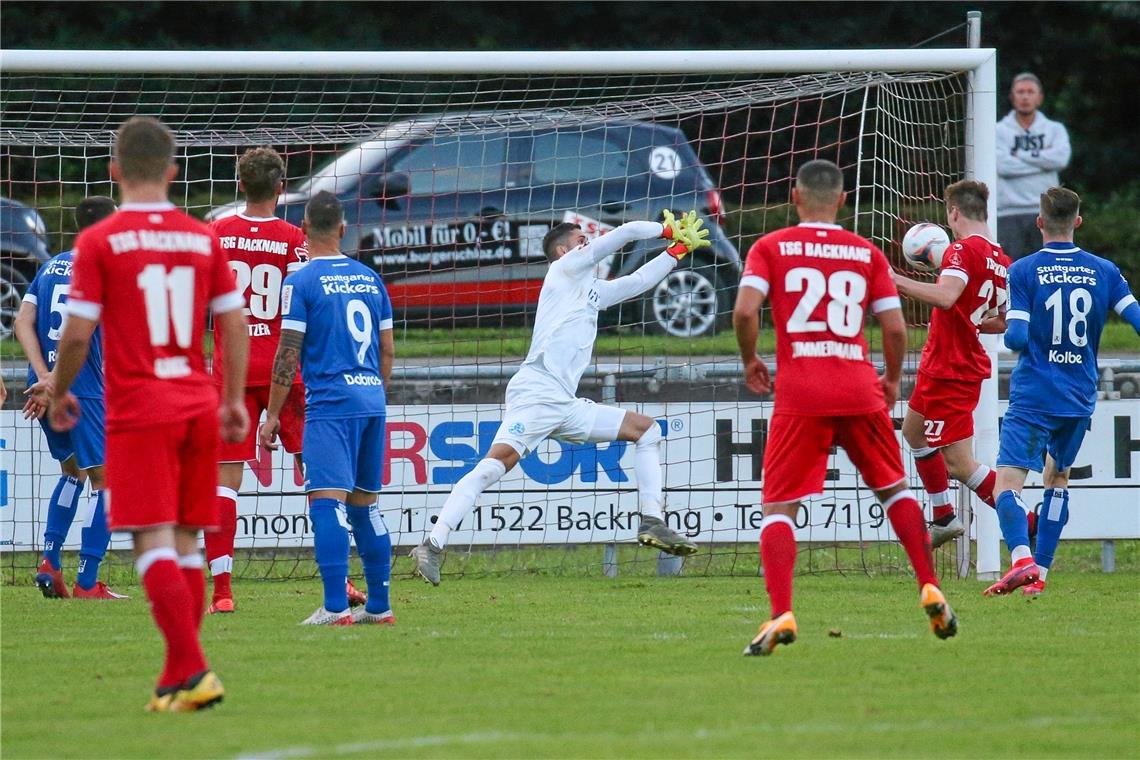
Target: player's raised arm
(942, 294)
(687, 237)
(582, 257)
(1124, 303)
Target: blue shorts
(1026, 436)
(344, 454)
(84, 441)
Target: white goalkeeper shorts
(575, 421)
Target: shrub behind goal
(520, 129)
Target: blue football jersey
(48, 292)
(341, 306)
(1065, 294)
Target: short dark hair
(1026, 76)
(144, 149)
(1059, 210)
(324, 214)
(971, 198)
(555, 236)
(260, 170)
(821, 181)
(93, 209)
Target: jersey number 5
(844, 309)
(169, 299)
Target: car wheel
(688, 303)
(13, 285)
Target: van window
(577, 157)
(455, 164)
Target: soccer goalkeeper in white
(541, 399)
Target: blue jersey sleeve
(294, 309)
(33, 295)
(1020, 306)
(1123, 302)
(385, 321)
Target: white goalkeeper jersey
(566, 323)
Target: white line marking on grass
(380, 745)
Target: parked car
(451, 211)
(23, 248)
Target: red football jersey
(151, 272)
(952, 347)
(261, 251)
(821, 281)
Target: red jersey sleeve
(756, 271)
(224, 295)
(884, 296)
(955, 262)
(85, 297)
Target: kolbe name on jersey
(341, 306)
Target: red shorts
(164, 474)
(292, 424)
(795, 457)
(948, 407)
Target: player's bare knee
(69, 468)
(785, 508)
(634, 426)
(360, 498)
(230, 475)
(651, 436)
(504, 454)
(912, 430)
(887, 495)
(960, 462)
(95, 475)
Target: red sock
(932, 472)
(196, 583)
(220, 545)
(778, 555)
(906, 518)
(984, 488)
(170, 603)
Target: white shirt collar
(159, 206)
(821, 225)
(258, 218)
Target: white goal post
(978, 143)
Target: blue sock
(374, 544)
(96, 536)
(1011, 517)
(1052, 520)
(330, 545)
(61, 511)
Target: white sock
(647, 468)
(462, 498)
(1042, 572)
(1020, 553)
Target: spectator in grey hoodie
(1031, 149)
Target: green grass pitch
(528, 666)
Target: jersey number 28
(845, 291)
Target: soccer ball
(923, 246)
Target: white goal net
(450, 177)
